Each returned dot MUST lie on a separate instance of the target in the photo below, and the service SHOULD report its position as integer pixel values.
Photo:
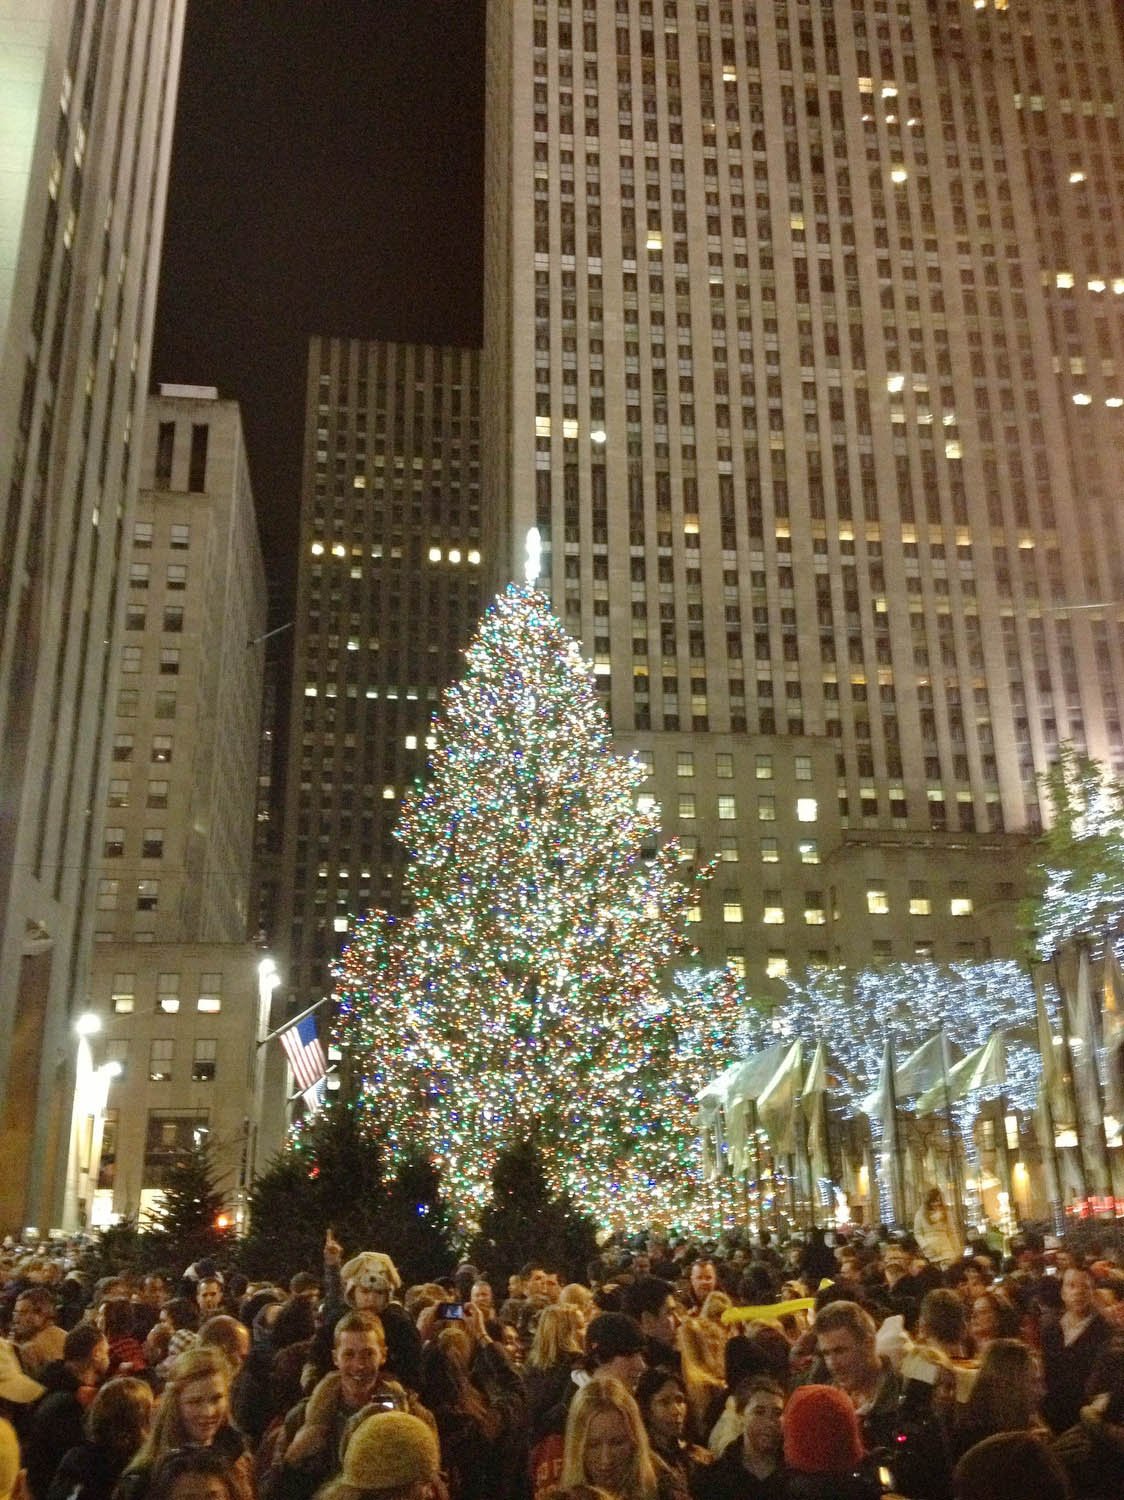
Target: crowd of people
(675, 1370)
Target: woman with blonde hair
(1005, 1395)
(702, 1351)
(576, 1295)
(558, 1334)
(194, 1412)
(606, 1446)
(556, 1351)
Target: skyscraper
(388, 592)
(174, 980)
(88, 92)
(804, 349)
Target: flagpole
(1105, 1164)
(1063, 1011)
(1003, 1154)
(757, 1165)
(808, 1164)
(953, 1147)
(1048, 1125)
(292, 1021)
(897, 1163)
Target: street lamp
(88, 1024)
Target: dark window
(165, 444)
(170, 1137)
(197, 469)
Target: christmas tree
(528, 992)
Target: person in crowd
(368, 1282)
(297, 1363)
(482, 1296)
(714, 1306)
(942, 1323)
(306, 1448)
(392, 1455)
(974, 1278)
(1070, 1346)
(71, 1384)
(305, 1284)
(702, 1348)
(194, 1412)
(116, 1425)
(817, 1260)
(935, 1231)
(468, 1428)
(652, 1303)
(615, 1345)
(231, 1337)
(606, 1445)
(13, 1480)
(1011, 1466)
(845, 1342)
(179, 1318)
(126, 1352)
(662, 1398)
(35, 1332)
(497, 1380)
(573, 1294)
(18, 1392)
(556, 1351)
(507, 1338)
(703, 1281)
(823, 1449)
(1092, 1450)
(750, 1466)
(614, 1351)
(1005, 1395)
(991, 1317)
(757, 1351)
(194, 1474)
(209, 1296)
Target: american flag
(305, 1053)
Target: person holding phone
(308, 1448)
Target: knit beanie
(821, 1431)
(389, 1450)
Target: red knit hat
(821, 1431)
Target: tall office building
(87, 97)
(389, 592)
(804, 348)
(175, 972)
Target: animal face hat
(373, 1271)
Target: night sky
(326, 178)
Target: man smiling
(315, 1427)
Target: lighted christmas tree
(529, 991)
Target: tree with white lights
(527, 995)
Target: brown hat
(389, 1450)
(14, 1384)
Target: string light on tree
(529, 990)
(856, 1013)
